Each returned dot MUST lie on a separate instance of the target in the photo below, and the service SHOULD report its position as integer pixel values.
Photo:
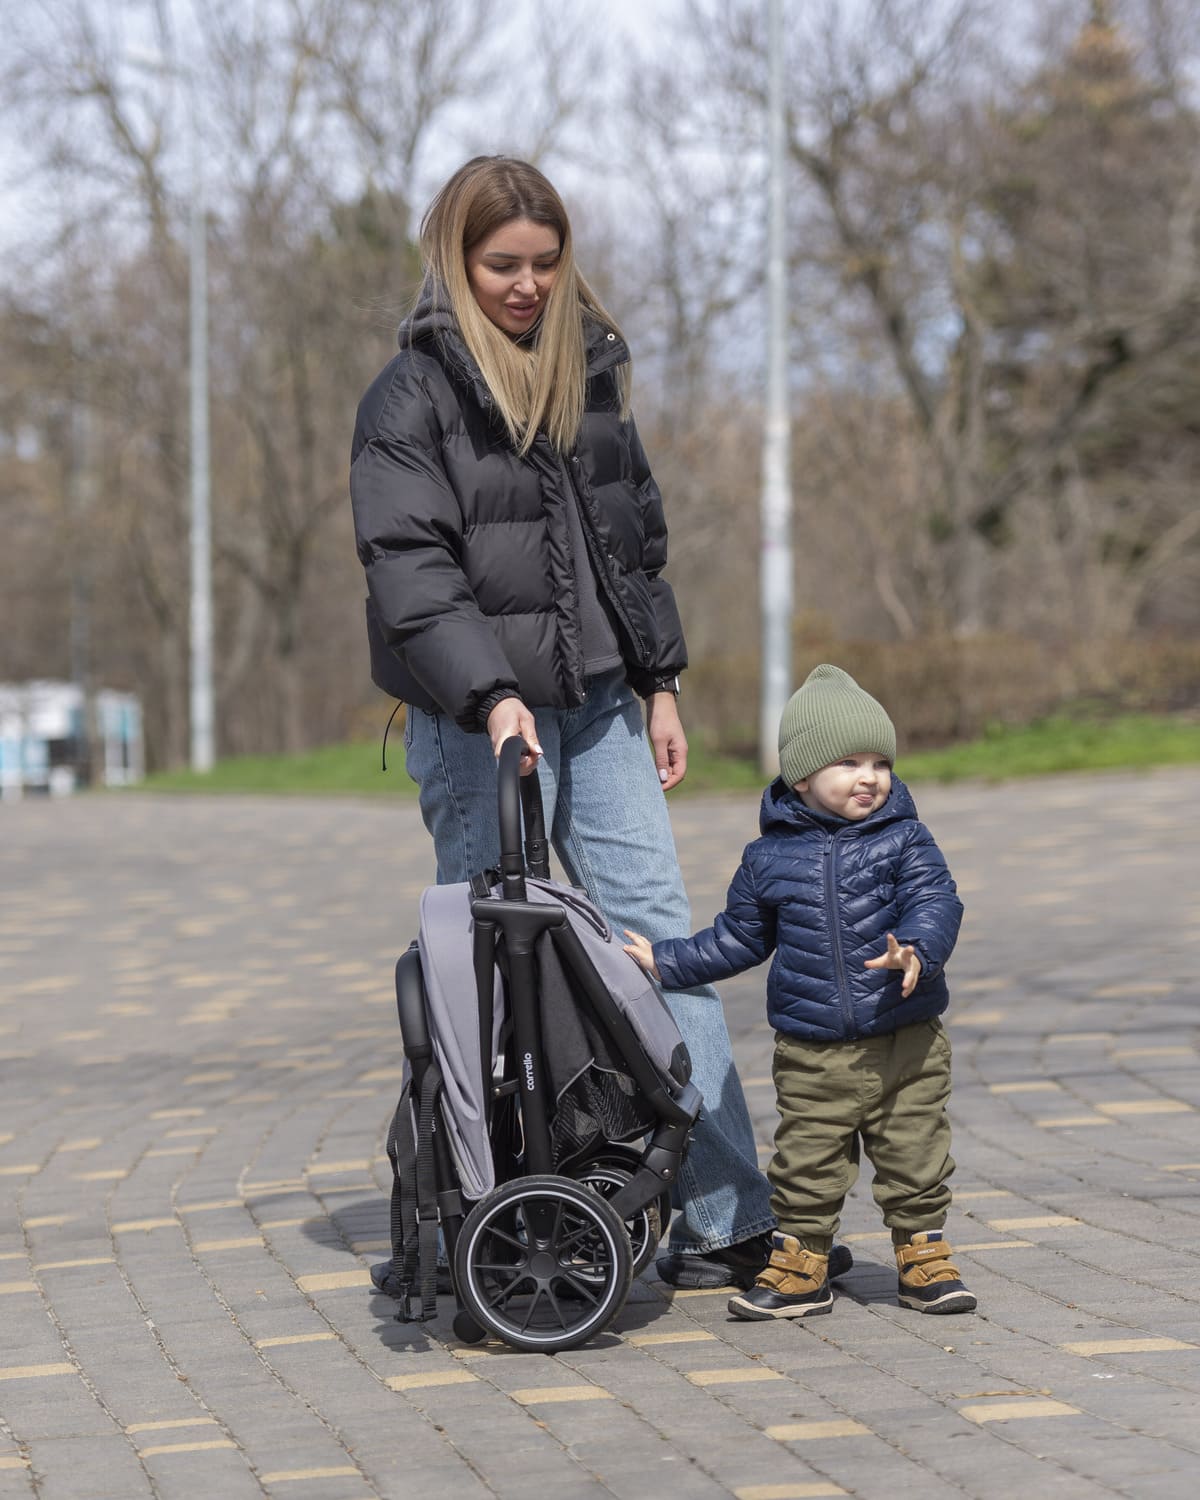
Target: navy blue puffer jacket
(821, 894)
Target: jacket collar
(782, 809)
(432, 322)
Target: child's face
(851, 788)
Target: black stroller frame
(544, 1261)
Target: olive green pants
(890, 1093)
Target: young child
(843, 870)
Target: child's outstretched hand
(896, 957)
(639, 948)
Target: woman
(513, 540)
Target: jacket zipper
(835, 931)
(600, 563)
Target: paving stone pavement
(198, 1055)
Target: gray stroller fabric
(445, 941)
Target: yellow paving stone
(369, 1247)
(209, 1078)
(185, 1447)
(293, 1223)
(675, 1294)
(108, 1174)
(193, 1130)
(288, 1476)
(204, 1208)
(1017, 1411)
(249, 1242)
(271, 1185)
(535, 1395)
(381, 1075)
(973, 1193)
(12, 1255)
(793, 1491)
(803, 1432)
(992, 1245)
(1068, 1037)
(84, 1143)
(49, 1221)
(1145, 1107)
(1034, 1086)
(1043, 1221)
(294, 1338)
(433, 1378)
(177, 1114)
(1126, 1052)
(333, 1281)
(979, 1018)
(11, 1288)
(34, 1372)
(26, 1169)
(5, 1137)
(683, 1336)
(131, 1226)
(1069, 1122)
(1125, 1346)
(1129, 991)
(85, 1260)
(13, 1461)
(362, 1165)
(176, 1150)
(868, 1234)
(1183, 1166)
(178, 1422)
(742, 1375)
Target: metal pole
(775, 576)
(200, 621)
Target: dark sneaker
(734, 1265)
(929, 1281)
(793, 1284)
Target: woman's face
(511, 272)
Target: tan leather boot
(793, 1284)
(929, 1281)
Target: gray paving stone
(287, 992)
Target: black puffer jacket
(470, 574)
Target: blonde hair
(538, 385)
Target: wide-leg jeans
(608, 824)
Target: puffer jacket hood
(821, 894)
(472, 591)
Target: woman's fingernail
(662, 775)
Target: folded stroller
(546, 1106)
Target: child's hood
(782, 810)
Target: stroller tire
(606, 1173)
(543, 1263)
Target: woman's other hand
(641, 952)
(667, 738)
(903, 958)
(509, 717)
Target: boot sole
(955, 1302)
(748, 1310)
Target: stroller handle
(520, 803)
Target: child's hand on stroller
(640, 951)
(897, 957)
(509, 717)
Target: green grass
(1062, 743)
(1058, 744)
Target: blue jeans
(608, 823)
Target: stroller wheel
(606, 1174)
(543, 1262)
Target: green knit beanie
(827, 719)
